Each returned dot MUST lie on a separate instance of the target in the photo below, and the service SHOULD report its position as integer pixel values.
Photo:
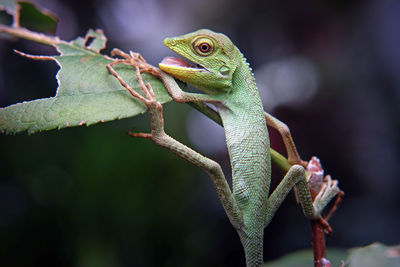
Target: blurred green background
(92, 196)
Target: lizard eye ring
(203, 46)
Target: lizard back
(247, 140)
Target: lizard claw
(135, 59)
(328, 191)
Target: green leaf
(40, 20)
(374, 255)
(87, 92)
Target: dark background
(96, 197)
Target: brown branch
(318, 241)
(319, 229)
(29, 35)
(318, 237)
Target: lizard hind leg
(311, 208)
(283, 129)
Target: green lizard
(222, 73)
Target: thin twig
(30, 35)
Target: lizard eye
(203, 46)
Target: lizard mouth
(172, 62)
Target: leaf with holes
(87, 92)
(28, 15)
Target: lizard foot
(328, 191)
(323, 190)
(324, 221)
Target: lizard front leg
(181, 96)
(159, 136)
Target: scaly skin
(236, 97)
(226, 78)
(247, 140)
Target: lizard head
(215, 59)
